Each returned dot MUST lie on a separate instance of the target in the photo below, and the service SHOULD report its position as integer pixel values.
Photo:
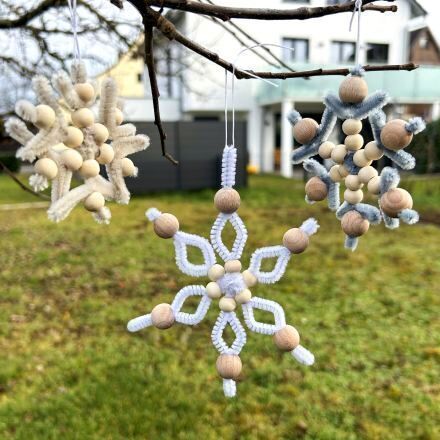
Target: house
(192, 89)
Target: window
(342, 52)
(336, 2)
(299, 52)
(377, 53)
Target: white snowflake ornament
(229, 285)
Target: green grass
(69, 369)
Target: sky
(433, 8)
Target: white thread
(267, 306)
(303, 356)
(202, 308)
(229, 387)
(283, 256)
(310, 226)
(139, 323)
(74, 21)
(225, 318)
(229, 162)
(358, 9)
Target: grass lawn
(69, 369)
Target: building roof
(418, 8)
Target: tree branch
(24, 19)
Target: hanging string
(74, 21)
(358, 9)
(234, 67)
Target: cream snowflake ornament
(229, 285)
(69, 141)
(352, 160)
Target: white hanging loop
(74, 21)
(358, 9)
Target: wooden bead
(360, 159)
(100, 133)
(162, 316)
(395, 136)
(213, 290)
(353, 197)
(94, 202)
(394, 201)
(71, 159)
(352, 126)
(46, 167)
(83, 118)
(287, 338)
(166, 225)
(243, 297)
(334, 173)
(119, 116)
(343, 172)
(249, 278)
(338, 153)
(316, 189)
(354, 225)
(216, 272)
(372, 151)
(374, 185)
(296, 240)
(227, 200)
(85, 91)
(229, 366)
(325, 149)
(90, 168)
(74, 137)
(354, 142)
(128, 167)
(227, 304)
(367, 173)
(305, 130)
(352, 182)
(353, 90)
(233, 266)
(106, 154)
(44, 117)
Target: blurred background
(68, 367)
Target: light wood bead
(227, 304)
(296, 240)
(316, 189)
(227, 200)
(287, 338)
(85, 91)
(243, 297)
(353, 90)
(354, 225)
(166, 225)
(372, 151)
(334, 173)
(351, 126)
(128, 167)
(305, 130)
(354, 142)
(374, 185)
(74, 137)
(46, 167)
(83, 118)
(44, 117)
(394, 201)
(233, 266)
(216, 272)
(325, 149)
(343, 172)
(162, 316)
(71, 159)
(90, 168)
(213, 290)
(229, 366)
(360, 159)
(353, 183)
(106, 154)
(338, 154)
(249, 278)
(119, 116)
(94, 202)
(395, 136)
(367, 173)
(353, 197)
(100, 133)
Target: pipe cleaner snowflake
(69, 140)
(352, 161)
(228, 284)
